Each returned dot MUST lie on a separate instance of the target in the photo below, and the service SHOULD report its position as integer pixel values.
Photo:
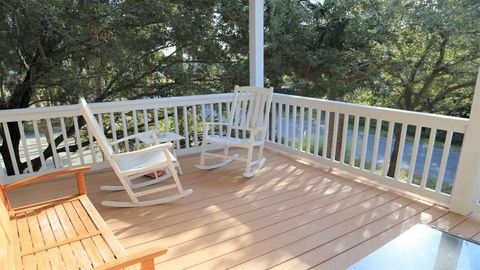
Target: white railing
(361, 139)
(34, 129)
(435, 153)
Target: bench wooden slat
(67, 258)
(113, 242)
(69, 229)
(83, 258)
(70, 243)
(36, 233)
(103, 248)
(25, 243)
(90, 247)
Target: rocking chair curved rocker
(135, 164)
(247, 124)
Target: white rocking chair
(135, 164)
(246, 128)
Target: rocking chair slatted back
(248, 112)
(100, 136)
(250, 107)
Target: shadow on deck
(290, 215)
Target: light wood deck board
(289, 216)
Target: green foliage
(55, 51)
(430, 58)
(321, 49)
(411, 54)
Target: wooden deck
(290, 216)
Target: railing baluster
(39, 143)
(185, 127)
(378, 129)
(326, 130)
(135, 128)
(155, 118)
(204, 121)
(92, 146)
(317, 132)
(25, 145)
(344, 137)
(366, 133)
(56, 158)
(443, 163)
(280, 122)
(165, 118)
(145, 120)
(114, 130)
(401, 146)
(294, 126)
(175, 119)
(428, 158)
(195, 131)
(228, 107)
(287, 124)
(274, 120)
(353, 152)
(79, 142)
(212, 119)
(335, 135)
(220, 117)
(300, 130)
(65, 141)
(100, 121)
(10, 148)
(125, 131)
(309, 130)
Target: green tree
(322, 49)
(52, 52)
(430, 58)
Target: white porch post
(464, 193)
(255, 28)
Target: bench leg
(148, 264)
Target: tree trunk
(338, 145)
(4, 151)
(394, 156)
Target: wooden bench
(64, 233)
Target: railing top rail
(114, 106)
(456, 124)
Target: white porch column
(465, 189)
(255, 28)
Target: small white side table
(164, 137)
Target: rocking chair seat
(130, 164)
(230, 141)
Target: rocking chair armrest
(162, 147)
(150, 132)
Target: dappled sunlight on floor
(289, 216)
